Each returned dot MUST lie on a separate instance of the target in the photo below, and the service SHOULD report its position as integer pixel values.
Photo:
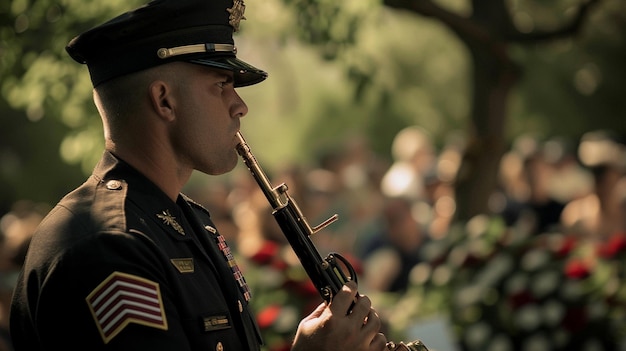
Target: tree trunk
(494, 76)
(486, 33)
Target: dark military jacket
(117, 265)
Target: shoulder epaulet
(111, 194)
(195, 204)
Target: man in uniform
(127, 262)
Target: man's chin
(226, 167)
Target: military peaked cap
(163, 31)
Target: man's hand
(347, 323)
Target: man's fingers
(379, 342)
(362, 308)
(344, 299)
(317, 312)
(372, 324)
(355, 313)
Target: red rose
(268, 316)
(577, 269)
(266, 253)
(307, 288)
(567, 245)
(615, 245)
(279, 264)
(302, 288)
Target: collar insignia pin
(170, 220)
(236, 14)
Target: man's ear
(162, 99)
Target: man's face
(207, 112)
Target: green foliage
(47, 114)
(574, 86)
(411, 68)
(331, 25)
(396, 71)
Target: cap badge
(236, 14)
(170, 220)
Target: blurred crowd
(390, 207)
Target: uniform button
(114, 185)
(240, 306)
(219, 347)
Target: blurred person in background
(535, 187)
(414, 157)
(439, 188)
(396, 249)
(346, 181)
(128, 262)
(601, 213)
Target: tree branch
(468, 30)
(567, 30)
(462, 26)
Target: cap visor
(245, 74)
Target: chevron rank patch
(122, 299)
